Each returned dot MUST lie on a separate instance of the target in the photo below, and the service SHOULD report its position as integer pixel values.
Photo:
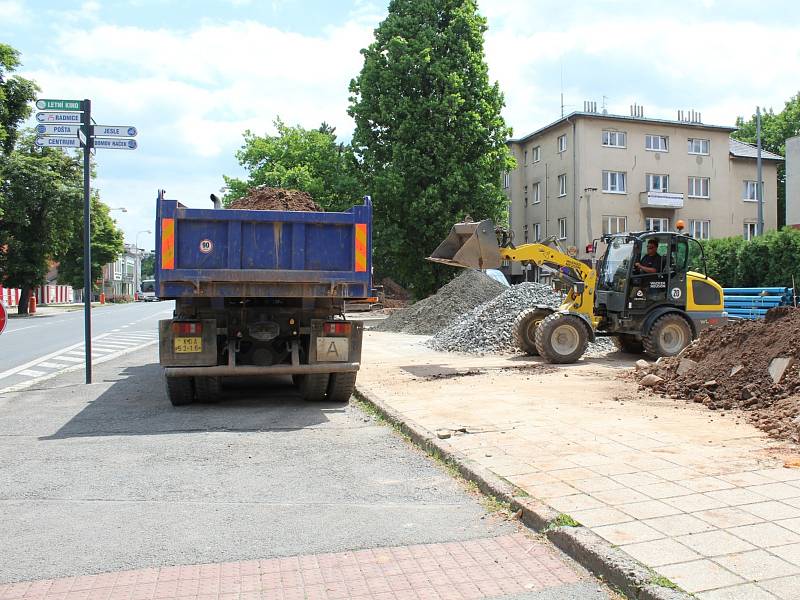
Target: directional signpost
(68, 124)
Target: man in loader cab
(652, 262)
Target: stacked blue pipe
(753, 303)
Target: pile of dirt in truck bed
(436, 312)
(271, 198)
(751, 365)
(488, 328)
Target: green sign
(59, 104)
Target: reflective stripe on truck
(168, 244)
(361, 247)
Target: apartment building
(591, 173)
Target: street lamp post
(138, 264)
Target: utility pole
(759, 183)
(87, 239)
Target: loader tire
(562, 338)
(208, 389)
(313, 386)
(667, 336)
(524, 328)
(180, 390)
(341, 386)
(627, 343)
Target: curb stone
(580, 543)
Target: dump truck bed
(211, 253)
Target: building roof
(742, 150)
(595, 115)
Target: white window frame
(525, 158)
(661, 178)
(620, 224)
(750, 230)
(562, 143)
(536, 195)
(562, 228)
(700, 229)
(537, 153)
(615, 182)
(663, 223)
(525, 233)
(562, 185)
(619, 139)
(650, 146)
(506, 180)
(537, 232)
(694, 183)
(749, 194)
(707, 144)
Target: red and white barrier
(45, 294)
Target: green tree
(310, 160)
(429, 134)
(148, 266)
(775, 128)
(16, 94)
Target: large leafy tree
(775, 128)
(429, 133)
(16, 94)
(310, 160)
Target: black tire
(625, 342)
(341, 386)
(562, 338)
(667, 336)
(180, 390)
(208, 389)
(313, 386)
(524, 328)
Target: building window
(525, 161)
(537, 193)
(657, 183)
(562, 143)
(614, 182)
(615, 224)
(506, 180)
(750, 191)
(698, 146)
(698, 187)
(750, 230)
(614, 139)
(656, 142)
(525, 233)
(656, 224)
(562, 185)
(526, 195)
(537, 232)
(537, 154)
(701, 230)
(562, 228)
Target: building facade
(793, 181)
(121, 278)
(591, 173)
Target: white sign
(665, 199)
(113, 144)
(54, 129)
(115, 130)
(58, 142)
(82, 137)
(206, 246)
(56, 117)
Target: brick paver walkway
(483, 568)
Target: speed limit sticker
(206, 246)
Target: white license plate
(333, 349)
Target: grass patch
(662, 581)
(562, 520)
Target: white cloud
(14, 12)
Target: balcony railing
(661, 200)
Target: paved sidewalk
(701, 497)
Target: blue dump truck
(261, 292)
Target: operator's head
(652, 247)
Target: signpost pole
(87, 240)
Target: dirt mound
(752, 365)
(436, 312)
(270, 198)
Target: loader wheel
(180, 390)
(208, 389)
(341, 386)
(668, 336)
(524, 329)
(561, 338)
(627, 343)
(313, 386)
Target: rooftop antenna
(605, 102)
(562, 89)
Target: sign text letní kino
(47, 104)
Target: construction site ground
(703, 498)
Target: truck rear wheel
(180, 390)
(668, 336)
(628, 343)
(342, 386)
(524, 329)
(313, 386)
(562, 338)
(208, 389)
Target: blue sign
(56, 129)
(115, 131)
(113, 144)
(58, 142)
(56, 117)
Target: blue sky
(192, 76)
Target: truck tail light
(336, 329)
(184, 328)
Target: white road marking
(22, 329)
(31, 373)
(70, 358)
(51, 365)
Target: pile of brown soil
(732, 371)
(270, 198)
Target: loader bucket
(471, 245)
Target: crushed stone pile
(751, 365)
(436, 312)
(489, 327)
(271, 198)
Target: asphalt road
(110, 476)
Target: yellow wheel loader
(648, 301)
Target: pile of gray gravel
(426, 317)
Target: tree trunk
(24, 299)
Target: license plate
(333, 349)
(184, 345)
